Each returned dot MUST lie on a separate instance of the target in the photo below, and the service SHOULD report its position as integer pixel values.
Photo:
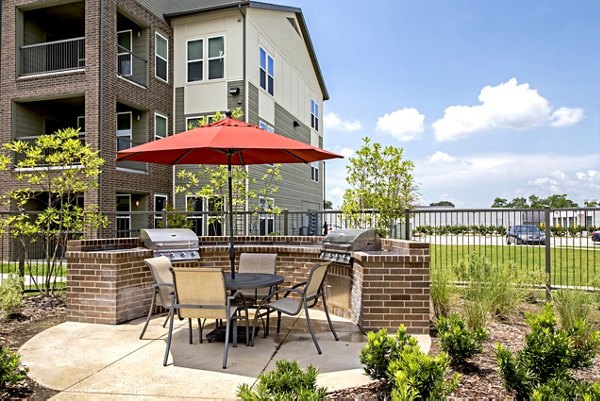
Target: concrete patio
(97, 362)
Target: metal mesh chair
(308, 294)
(162, 286)
(200, 293)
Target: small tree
(54, 171)
(216, 186)
(380, 180)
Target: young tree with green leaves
(54, 171)
(382, 182)
(216, 186)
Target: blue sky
(488, 98)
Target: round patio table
(245, 281)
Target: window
(195, 206)
(162, 57)
(196, 121)
(314, 115)
(160, 203)
(124, 58)
(81, 124)
(195, 55)
(267, 220)
(265, 126)
(314, 171)
(216, 57)
(215, 50)
(124, 131)
(267, 78)
(123, 219)
(160, 126)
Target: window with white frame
(265, 126)
(162, 57)
(314, 171)
(160, 203)
(267, 76)
(195, 60)
(216, 57)
(214, 68)
(124, 130)
(161, 124)
(124, 56)
(195, 206)
(267, 219)
(196, 121)
(314, 115)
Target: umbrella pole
(230, 201)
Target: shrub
(566, 390)
(571, 306)
(417, 376)
(287, 382)
(442, 291)
(381, 349)
(11, 295)
(459, 342)
(11, 371)
(549, 354)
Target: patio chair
(308, 294)
(200, 293)
(258, 263)
(162, 286)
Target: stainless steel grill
(178, 244)
(338, 245)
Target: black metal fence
(555, 243)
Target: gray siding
(179, 108)
(235, 101)
(252, 104)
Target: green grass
(573, 267)
(37, 268)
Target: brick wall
(388, 288)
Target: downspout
(101, 105)
(246, 203)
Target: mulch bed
(480, 380)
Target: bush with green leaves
(572, 305)
(11, 295)
(287, 382)
(549, 354)
(442, 290)
(11, 371)
(566, 390)
(405, 369)
(459, 342)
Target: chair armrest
(162, 285)
(287, 292)
(236, 295)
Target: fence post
(406, 224)
(547, 249)
(164, 218)
(285, 221)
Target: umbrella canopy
(210, 144)
(227, 142)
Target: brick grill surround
(108, 282)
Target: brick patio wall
(109, 283)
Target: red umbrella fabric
(210, 144)
(227, 142)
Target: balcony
(131, 66)
(31, 140)
(61, 55)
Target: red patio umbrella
(227, 142)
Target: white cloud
(403, 124)
(346, 152)
(334, 122)
(441, 157)
(566, 116)
(509, 105)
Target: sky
(488, 98)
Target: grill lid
(169, 238)
(352, 240)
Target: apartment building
(127, 72)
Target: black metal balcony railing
(30, 140)
(60, 55)
(131, 66)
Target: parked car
(525, 234)
(596, 236)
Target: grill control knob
(182, 254)
(171, 255)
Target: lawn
(569, 266)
